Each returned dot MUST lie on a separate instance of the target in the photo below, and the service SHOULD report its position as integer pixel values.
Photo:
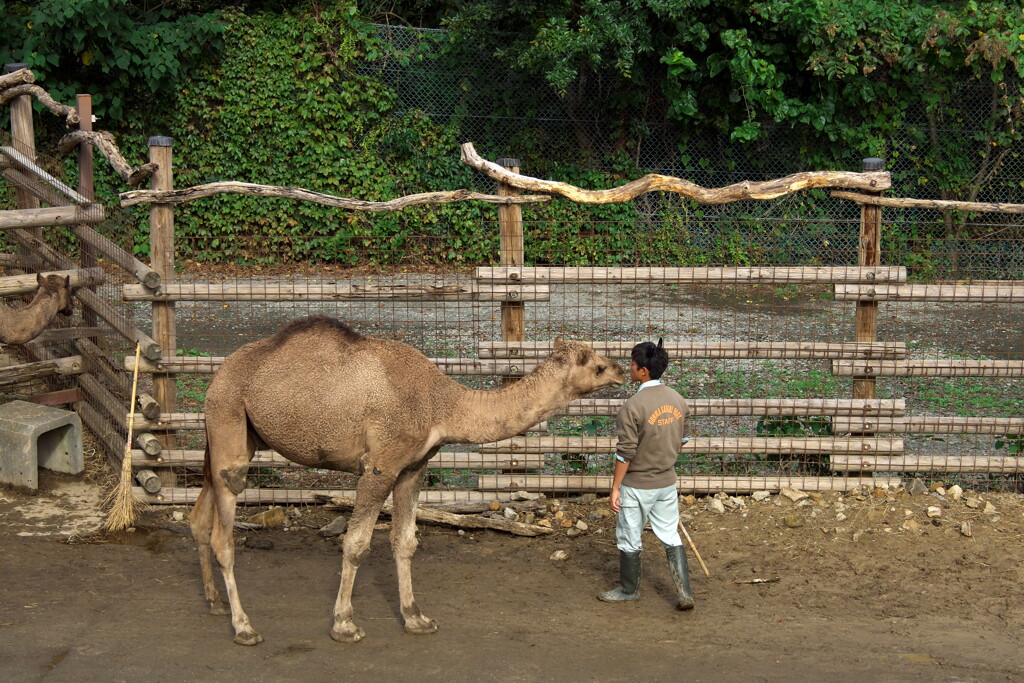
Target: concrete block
(34, 436)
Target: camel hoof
(248, 638)
(220, 609)
(421, 627)
(348, 635)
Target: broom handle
(131, 410)
(694, 548)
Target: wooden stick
(693, 547)
(462, 521)
(770, 189)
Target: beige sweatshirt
(651, 426)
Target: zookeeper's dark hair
(651, 356)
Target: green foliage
(125, 50)
(1013, 443)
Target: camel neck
(485, 416)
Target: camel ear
(39, 278)
(67, 281)
(559, 343)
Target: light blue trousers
(637, 506)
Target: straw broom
(124, 507)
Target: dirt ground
(855, 587)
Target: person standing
(650, 427)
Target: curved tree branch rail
(189, 194)
(939, 204)
(104, 142)
(16, 78)
(874, 181)
(70, 114)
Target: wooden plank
(13, 374)
(929, 368)
(967, 464)
(253, 496)
(12, 285)
(714, 407)
(933, 424)
(653, 275)
(702, 444)
(686, 483)
(296, 291)
(197, 422)
(57, 398)
(773, 349)
(63, 334)
(1006, 292)
(28, 165)
(452, 366)
(51, 215)
(464, 460)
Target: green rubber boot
(629, 580)
(680, 571)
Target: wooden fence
(855, 451)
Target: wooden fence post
(86, 188)
(868, 254)
(510, 225)
(161, 246)
(23, 139)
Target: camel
(325, 396)
(21, 325)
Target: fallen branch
(189, 194)
(462, 521)
(874, 181)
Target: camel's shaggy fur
(21, 325)
(325, 396)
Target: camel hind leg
(373, 488)
(404, 543)
(213, 517)
(201, 519)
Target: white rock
(966, 530)
(761, 495)
(525, 495)
(793, 494)
(559, 555)
(581, 525)
(716, 506)
(955, 492)
(988, 508)
(178, 516)
(840, 517)
(934, 511)
(510, 514)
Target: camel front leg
(373, 488)
(404, 543)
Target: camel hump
(314, 325)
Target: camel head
(588, 371)
(56, 286)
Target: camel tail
(207, 470)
